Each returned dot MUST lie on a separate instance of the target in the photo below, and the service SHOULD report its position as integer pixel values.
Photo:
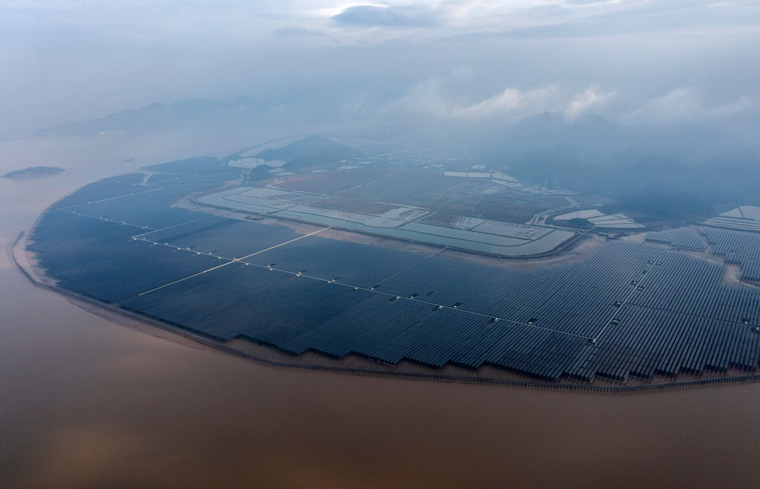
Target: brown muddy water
(89, 403)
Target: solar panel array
(738, 248)
(682, 238)
(628, 309)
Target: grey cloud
(66, 63)
(599, 19)
(585, 2)
(687, 105)
(298, 32)
(403, 16)
(431, 99)
(583, 102)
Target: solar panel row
(682, 238)
(742, 249)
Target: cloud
(298, 32)
(436, 97)
(400, 16)
(511, 101)
(583, 102)
(588, 2)
(685, 104)
(678, 105)
(447, 98)
(745, 103)
(463, 73)
(430, 99)
(75, 60)
(425, 98)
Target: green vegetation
(258, 174)
(577, 223)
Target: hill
(203, 114)
(310, 152)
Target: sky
(634, 61)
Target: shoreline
(254, 351)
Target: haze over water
(88, 403)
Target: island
(33, 172)
(372, 260)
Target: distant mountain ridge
(158, 117)
(208, 114)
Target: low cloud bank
(434, 98)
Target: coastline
(354, 365)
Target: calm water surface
(86, 402)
